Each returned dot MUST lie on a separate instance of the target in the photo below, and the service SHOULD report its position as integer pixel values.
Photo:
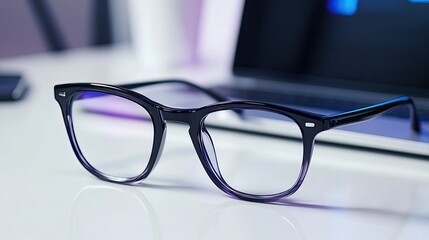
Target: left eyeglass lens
(115, 135)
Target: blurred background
(193, 28)
(42, 25)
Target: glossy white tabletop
(47, 194)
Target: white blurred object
(220, 23)
(164, 32)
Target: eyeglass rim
(197, 114)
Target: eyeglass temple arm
(367, 113)
(208, 92)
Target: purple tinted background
(20, 34)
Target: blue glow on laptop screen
(344, 7)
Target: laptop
(334, 56)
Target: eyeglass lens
(121, 130)
(241, 160)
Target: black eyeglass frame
(310, 125)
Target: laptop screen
(370, 44)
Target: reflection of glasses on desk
(106, 218)
(123, 140)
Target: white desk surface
(47, 194)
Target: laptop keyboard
(336, 105)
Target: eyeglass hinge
(62, 94)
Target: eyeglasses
(118, 134)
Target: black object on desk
(12, 87)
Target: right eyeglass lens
(252, 163)
(115, 135)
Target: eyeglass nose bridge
(177, 115)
